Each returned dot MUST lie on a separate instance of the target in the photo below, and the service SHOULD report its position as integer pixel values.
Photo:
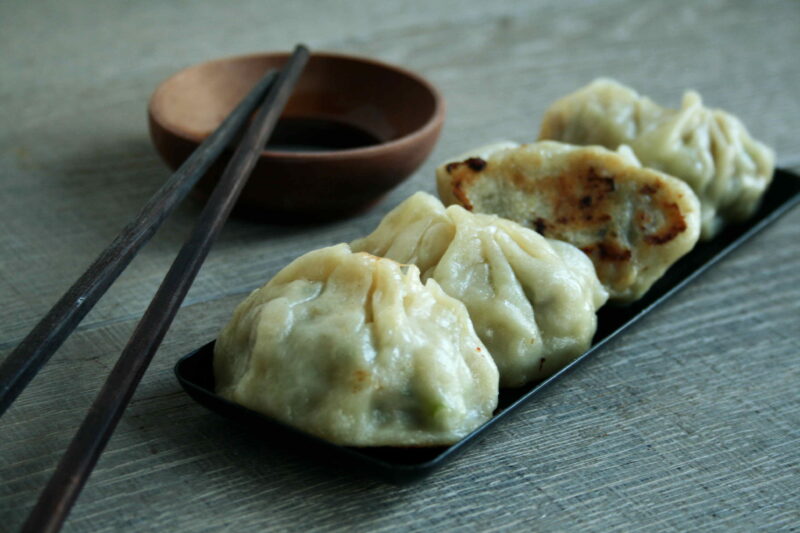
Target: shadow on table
(111, 181)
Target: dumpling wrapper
(632, 222)
(356, 350)
(533, 302)
(709, 149)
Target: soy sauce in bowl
(311, 134)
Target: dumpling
(533, 302)
(709, 149)
(355, 349)
(632, 222)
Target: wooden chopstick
(83, 452)
(21, 365)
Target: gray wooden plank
(630, 438)
(56, 208)
(690, 420)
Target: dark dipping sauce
(308, 134)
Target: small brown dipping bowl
(353, 129)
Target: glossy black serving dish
(195, 372)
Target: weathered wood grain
(691, 420)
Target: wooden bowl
(353, 129)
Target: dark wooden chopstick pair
(76, 464)
(22, 364)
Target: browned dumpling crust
(709, 149)
(631, 221)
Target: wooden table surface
(690, 420)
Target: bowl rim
(434, 121)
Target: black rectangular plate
(195, 370)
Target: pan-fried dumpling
(355, 349)
(533, 302)
(709, 149)
(632, 222)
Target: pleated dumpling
(357, 350)
(709, 149)
(632, 222)
(533, 302)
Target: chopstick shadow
(112, 177)
(113, 181)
